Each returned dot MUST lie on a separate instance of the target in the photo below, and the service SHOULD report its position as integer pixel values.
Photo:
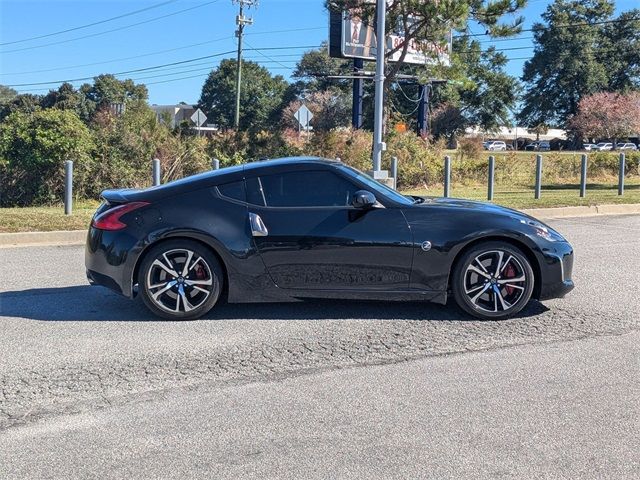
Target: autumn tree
(606, 115)
(331, 109)
(580, 49)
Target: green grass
(46, 219)
(551, 196)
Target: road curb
(26, 239)
(584, 211)
(78, 237)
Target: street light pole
(378, 144)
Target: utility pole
(378, 144)
(241, 21)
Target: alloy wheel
(495, 281)
(179, 281)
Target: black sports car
(297, 228)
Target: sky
(150, 33)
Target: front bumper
(557, 270)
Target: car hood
(463, 204)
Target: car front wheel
(493, 281)
(180, 280)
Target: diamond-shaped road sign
(199, 118)
(303, 115)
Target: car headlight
(543, 231)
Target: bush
(470, 147)
(33, 148)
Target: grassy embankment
(514, 187)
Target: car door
(311, 238)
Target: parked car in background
(496, 146)
(627, 146)
(604, 147)
(530, 147)
(544, 146)
(589, 146)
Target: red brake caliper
(200, 273)
(509, 272)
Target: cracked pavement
(68, 348)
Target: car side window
(301, 189)
(233, 190)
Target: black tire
(481, 293)
(195, 288)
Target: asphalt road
(262, 389)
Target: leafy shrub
(33, 148)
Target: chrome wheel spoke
(473, 289)
(166, 268)
(514, 286)
(191, 283)
(186, 269)
(167, 287)
(509, 258)
(503, 302)
(194, 264)
(200, 289)
(519, 279)
(479, 272)
(481, 265)
(498, 267)
(482, 292)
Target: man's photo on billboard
(358, 39)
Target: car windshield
(377, 186)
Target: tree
(606, 115)
(33, 148)
(262, 96)
(107, 90)
(448, 122)
(620, 51)
(24, 103)
(484, 92)
(68, 98)
(313, 68)
(7, 94)
(330, 108)
(580, 49)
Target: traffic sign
(199, 118)
(303, 115)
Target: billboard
(353, 36)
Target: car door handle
(258, 228)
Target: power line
(266, 56)
(158, 52)
(124, 27)
(59, 32)
(161, 66)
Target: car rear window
(233, 190)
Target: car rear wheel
(180, 280)
(493, 280)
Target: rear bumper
(110, 259)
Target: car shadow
(95, 304)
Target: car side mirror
(363, 199)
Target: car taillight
(110, 220)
